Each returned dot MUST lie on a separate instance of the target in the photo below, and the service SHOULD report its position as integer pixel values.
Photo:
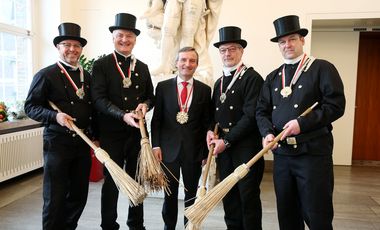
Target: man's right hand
(157, 153)
(268, 139)
(129, 118)
(210, 136)
(63, 119)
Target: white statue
(154, 19)
(185, 23)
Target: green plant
(88, 63)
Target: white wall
(96, 16)
(45, 27)
(255, 19)
(341, 48)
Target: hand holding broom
(149, 172)
(202, 189)
(123, 181)
(199, 210)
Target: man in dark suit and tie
(179, 125)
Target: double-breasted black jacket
(51, 84)
(237, 113)
(111, 99)
(320, 83)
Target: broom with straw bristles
(199, 210)
(126, 184)
(149, 172)
(202, 189)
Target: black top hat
(125, 21)
(68, 30)
(288, 25)
(230, 34)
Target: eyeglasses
(231, 49)
(69, 45)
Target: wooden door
(366, 144)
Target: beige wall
(45, 22)
(341, 48)
(95, 16)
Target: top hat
(125, 21)
(230, 34)
(69, 31)
(288, 25)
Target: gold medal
(222, 97)
(127, 82)
(182, 117)
(286, 91)
(80, 93)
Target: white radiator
(20, 152)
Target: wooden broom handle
(76, 129)
(276, 139)
(141, 124)
(208, 162)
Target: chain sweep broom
(199, 210)
(149, 172)
(202, 189)
(126, 184)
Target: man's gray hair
(187, 49)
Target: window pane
(15, 67)
(15, 13)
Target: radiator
(20, 152)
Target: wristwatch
(226, 143)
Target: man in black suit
(234, 100)
(122, 85)
(67, 160)
(179, 125)
(303, 166)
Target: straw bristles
(200, 193)
(149, 171)
(200, 209)
(123, 181)
(191, 226)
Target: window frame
(23, 33)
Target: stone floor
(356, 203)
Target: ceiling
(347, 24)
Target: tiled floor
(356, 203)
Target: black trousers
(123, 149)
(191, 172)
(67, 164)
(304, 187)
(242, 204)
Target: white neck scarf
(69, 65)
(123, 54)
(227, 70)
(294, 60)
